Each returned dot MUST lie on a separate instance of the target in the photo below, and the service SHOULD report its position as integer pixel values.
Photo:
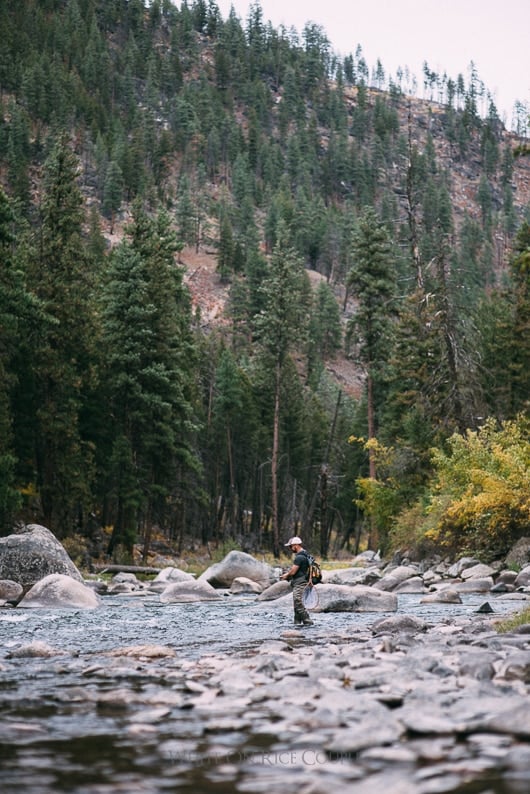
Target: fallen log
(115, 568)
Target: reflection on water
(88, 723)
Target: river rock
(398, 624)
(460, 565)
(446, 596)
(523, 577)
(506, 577)
(34, 650)
(503, 587)
(367, 558)
(234, 565)
(32, 553)
(192, 590)
(395, 577)
(10, 591)
(356, 598)
(479, 571)
(274, 591)
(167, 576)
(352, 576)
(516, 666)
(242, 584)
(519, 554)
(60, 591)
(413, 585)
(482, 585)
(471, 586)
(123, 582)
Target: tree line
(117, 410)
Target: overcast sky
(448, 34)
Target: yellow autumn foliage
(480, 495)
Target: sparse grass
(513, 622)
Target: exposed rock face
(31, 553)
(60, 591)
(234, 565)
(181, 592)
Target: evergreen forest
(365, 380)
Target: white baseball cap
(294, 541)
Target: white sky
(448, 34)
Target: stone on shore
(31, 553)
(392, 578)
(189, 591)
(234, 565)
(58, 591)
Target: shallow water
(88, 723)
(193, 629)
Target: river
(86, 722)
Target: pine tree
(150, 356)
(325, 331)
(372, 283)
(280, 327)
(520, 358)
(112, 192)
(226, 248)
(63, 354)
(16, 308)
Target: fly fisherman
(298, 575)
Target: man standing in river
(298, 575)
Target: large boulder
(460, 565)
(396, 576)
(234, 565)
(346, 598)
(356, 598)
(483, 585)
(169, 575)
(188, 591)
(31, 553)
(60, 591)
(413, 585)
(523, 577)
(479, 571)
(519, 554)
